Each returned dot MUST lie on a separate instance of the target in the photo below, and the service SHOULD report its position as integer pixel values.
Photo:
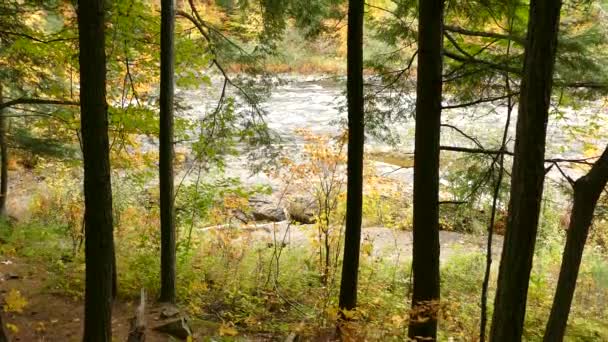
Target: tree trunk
(167, 217)
(4, 159)
(528, 172)
(425, 263)
(587, 191)
(114, 274)
(3, 337)
(354, 192)
(137, 332)
(99, 241)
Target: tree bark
(4, 158)
(587, 191)
(167, 213)
(137, 331)
(3, 336)
(528, 172)
(356, 127)
(114, 274)
(425, 263)
(99, 241)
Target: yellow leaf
(251, 321)
(349, 314)
(40, 327)
(15, 302)
(227, 330)
(397, 320)
(12, 328)
(332, 313)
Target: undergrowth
(243, 282)
(232, 280)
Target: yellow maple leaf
(15, 302)
(227, 330)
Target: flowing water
(317, 103)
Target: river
(316, 103)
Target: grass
(228, 279)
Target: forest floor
(45, 316)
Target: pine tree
(167, 214)
(3, 159)
(528, 172)
(99, 241)
(587, 191)
(354, 196)
(425, 263)
(3, 337)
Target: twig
(474, 140)
(479, 101)
(496, 195)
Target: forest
(303, 170)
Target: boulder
(169, 311)
(179, 328)
(265, 209)
(303, 210)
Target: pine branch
(516, 71)
(465, 59)
(215, 62)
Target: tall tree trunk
(425, 263)
(4, 159)
(114, 274)
(528, 172)
(587, 191)
(99, 240)
(3, 336)
(354, 192)
(167, 217)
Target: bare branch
(452, 202)
(455, 29)
(24, 100)
(480, 101)
(584, 161)
(474, 140)
(39, 40)
(583, 84)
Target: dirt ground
(48, 317)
